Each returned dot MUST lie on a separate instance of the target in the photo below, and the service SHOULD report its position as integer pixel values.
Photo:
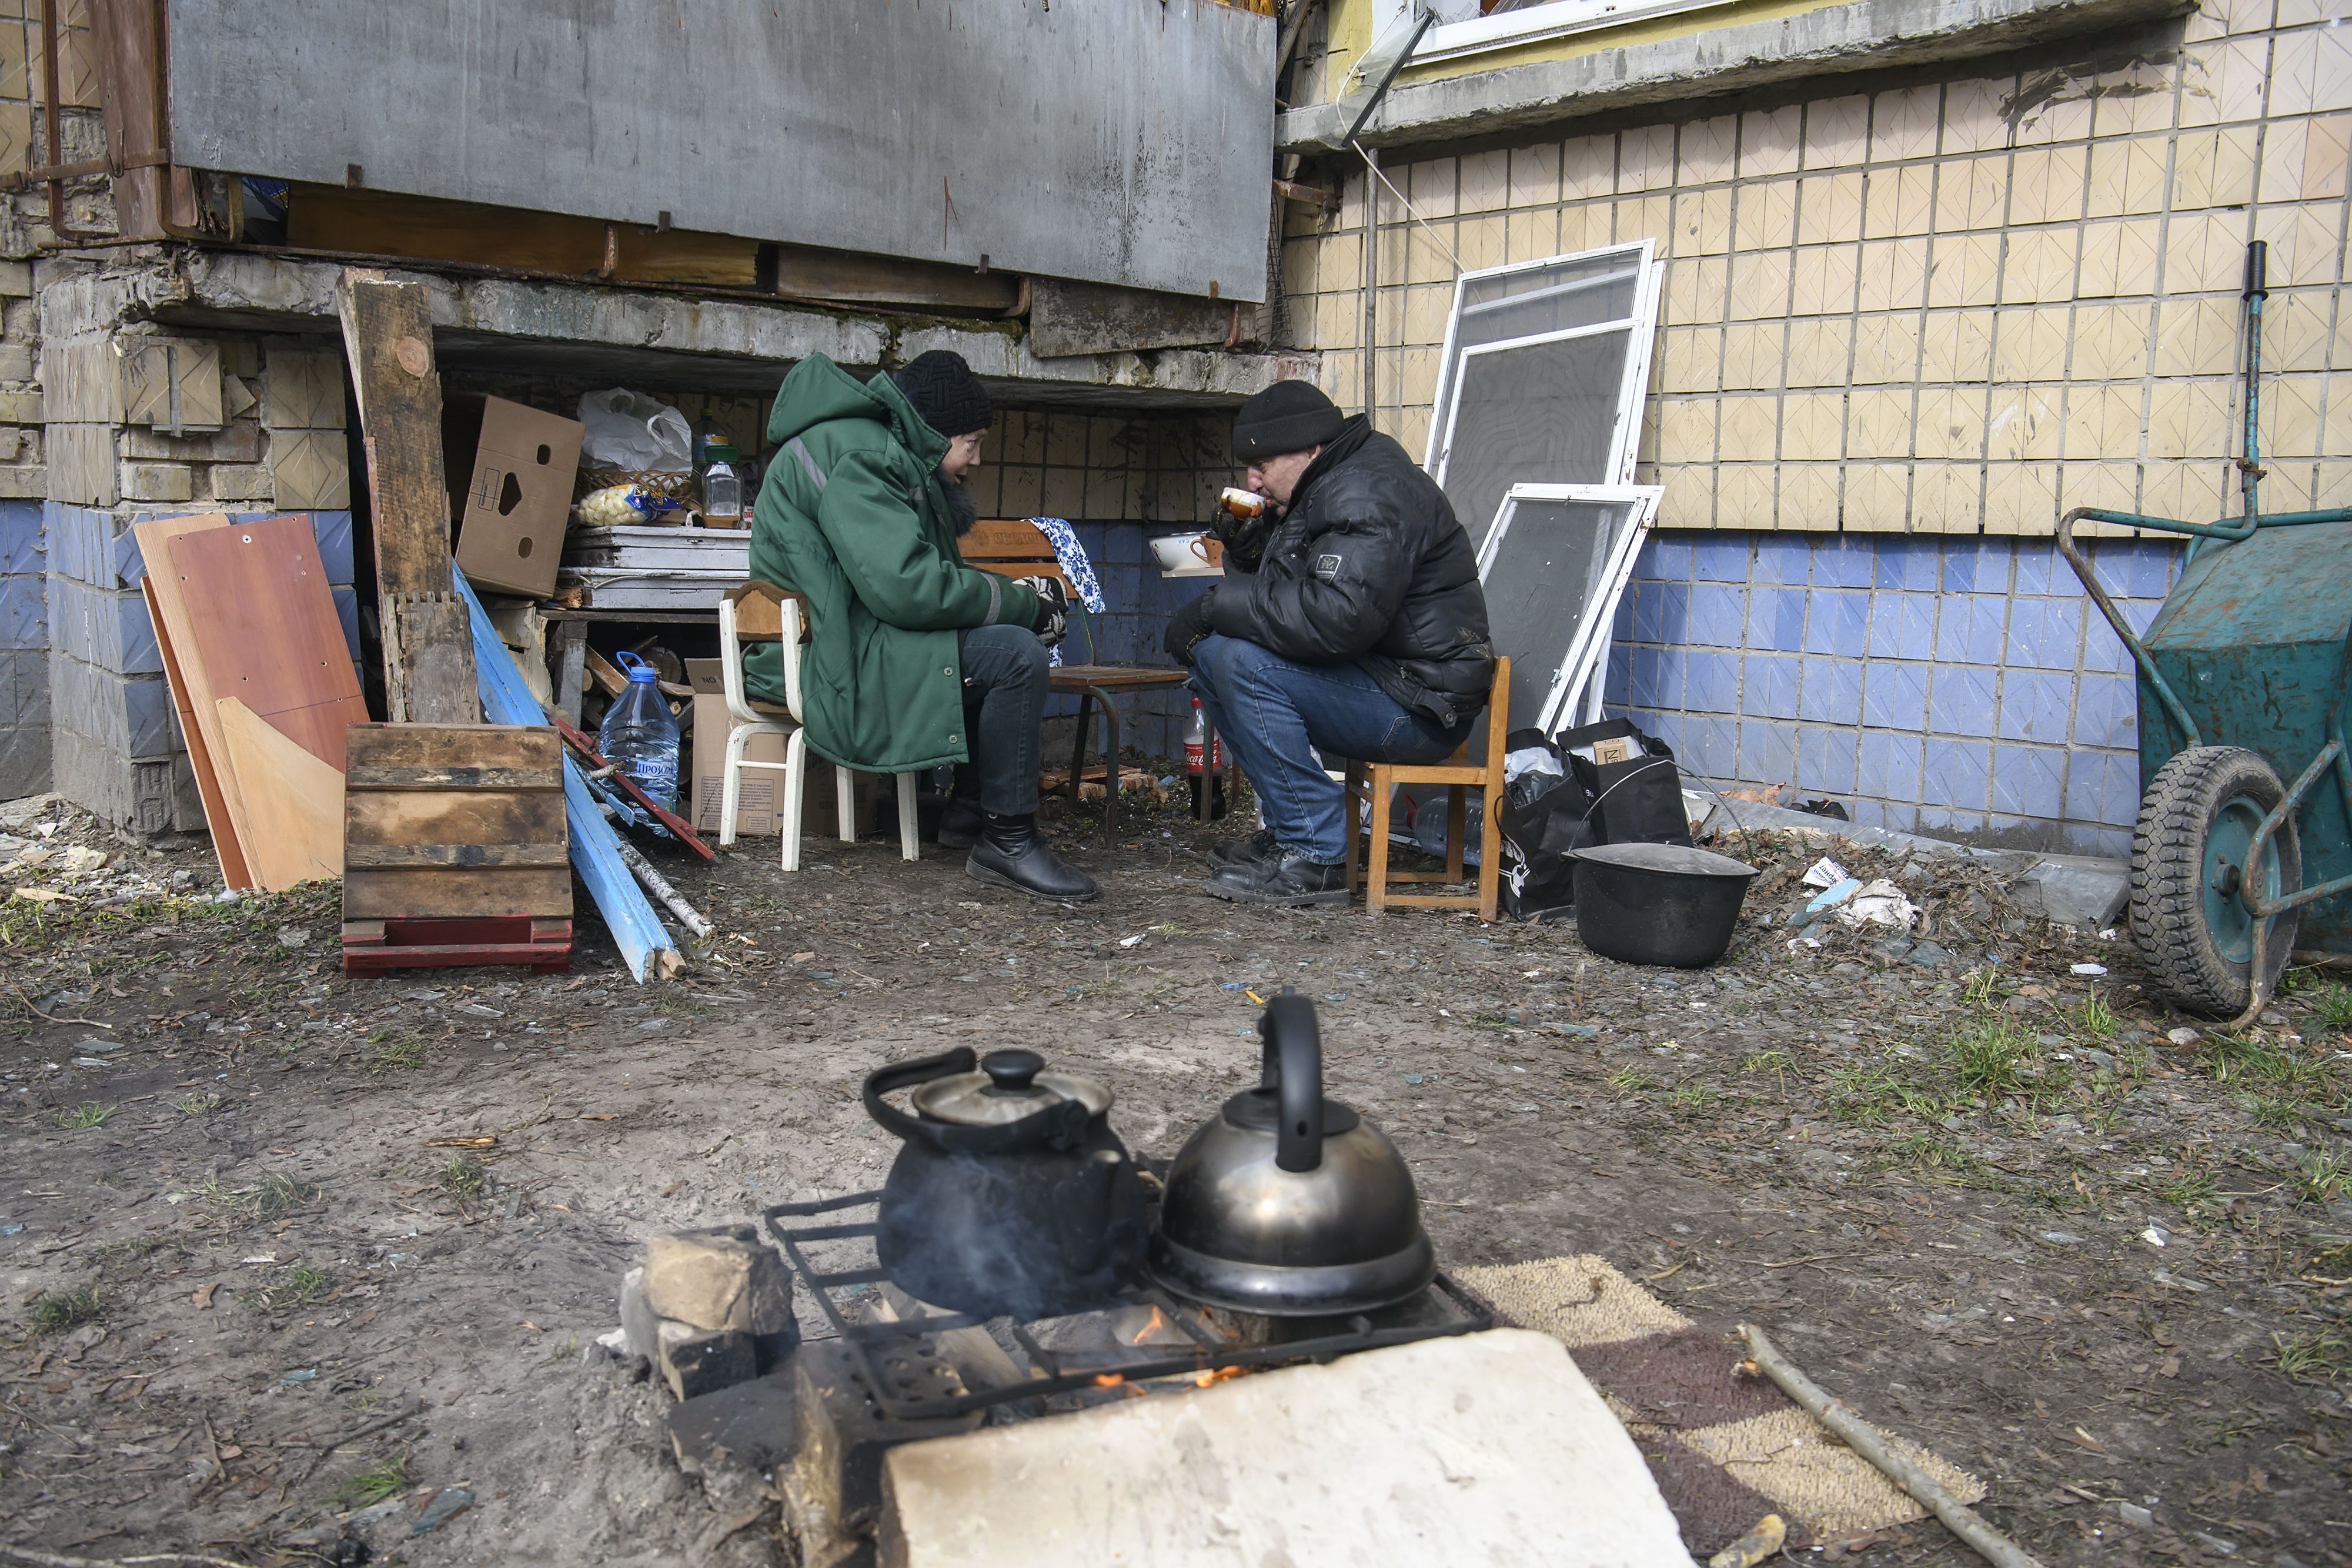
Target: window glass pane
(1547, 574)
(1578, 292)
(1541, 414)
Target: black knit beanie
(946, 393)
(1288, 416)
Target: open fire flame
(1203, 1379)
(1151, 1326)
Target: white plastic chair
(763, 612)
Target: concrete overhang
(1865, 36)
(509, 327)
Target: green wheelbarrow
(2243, 678)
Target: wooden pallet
(380, 947)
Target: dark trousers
(1004, 683)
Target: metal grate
(1212, 1343)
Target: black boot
(1283, 879)
(1013, 854)
(959, 824)
(1244, 851)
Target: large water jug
(639, 736)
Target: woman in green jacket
(914, 658)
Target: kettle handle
(1293, 1064)
(1061, 1124)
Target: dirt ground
(257, 1270)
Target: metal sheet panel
(1124, 142)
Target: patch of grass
(1776, 1062)
(2323, 1175)
(466, 1180)
(274, 1195)
(1865, 1096)
(89, 1114)
(2324, 1355)
(1631, 1081)
(391, 1052)
(55, 1311)
(130, 1249)
(200, 1105)
(1992, 1058)
(1927, 1151)
(1692, 1098)
(302, 1286)
(2092, 1017)
(376, 1482)
(2192, 1192)
(1979, 989)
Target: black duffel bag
(1638, 800)
(1546, 815)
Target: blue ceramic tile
(1902, 625)
(1960, 701)
(1968, 628)
(347, 610)
(2043, 633)
(2119, 804)
(1657, 678)
(1894, 697)
(1720, 558)
(1954, 774)
(1783, 558)
(148, 705)
(22, 536)
(1667, 727)
(1711, 682)
(2035, 705)
(2116, 843)
(23, 611)
(2027, 780)
(1670, 556)
(1617, 686)
(23, 688)
(1663, 613)
(1776, 619)
(2086, 786)
(334, 534)
(2103, 651)
(1710, 747)
(1718, 614)
(1976, 566)
(2155, 563)
(1909, 561)
(1769, 687)
(1944, 823)
(1620, 627)
(1837, 621)
(1890, 767)
(1844, 560)
(134, 636)
(2106, 712)
(1768, 752)
(1832, 693)
(1645, 561)
(2041, 569)
(1825, 762)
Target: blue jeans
(1270, 710)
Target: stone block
(17, 280)
(153, 797)
(15, 362)
(749, 1427)
(129, 715)
(27, 482)
(20, 408)
(1490, 1447)
(695, 1362)
(81, 466)
(231, 444)
(640, 1325)
(719, 1279)
(81, 379)
(2082, 891)
(238, 481)
(108, 628)
(158, 482)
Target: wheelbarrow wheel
(2189, 863)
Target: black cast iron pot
(1011, 1195)
(1658, 903)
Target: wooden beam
(428, 651)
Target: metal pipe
(2250, 468)
(1371, 268)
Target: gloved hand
(1244, 538)
(1187, 628)
(1053, 619)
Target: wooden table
(1106, 683)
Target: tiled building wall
(24, 657)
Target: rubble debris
(719, 1279)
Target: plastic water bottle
(639, 735)
(722, 489)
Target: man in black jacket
(1350, 624)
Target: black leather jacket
(1368, 566)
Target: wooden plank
(404, 857)
(293, 801)
(545, 779)
(226, 850)
(531, 747)
(387, 223)
(1000, 538)
(428, 654)
(442, 891)
(453, 816)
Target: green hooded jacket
(851, 515)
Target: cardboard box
(706, 677)
(763, 789)
(523, 464)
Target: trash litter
(1837, 893)
(1825, 873)
(1131, 941)
(630, 430)
(2090, 969)
(1879, 903)
(2155, 1236)
(308, 1374)
(446, 1504)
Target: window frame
(1534, 24)
(1576, 692)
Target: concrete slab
(1489, 1448)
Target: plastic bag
(629, 430)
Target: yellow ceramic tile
(2312, 72)
(2120, 257)
(2207, 251)
(1342, 376)
(1645, 441)
(1694, 290)
(1743, 496)
(1830, 208)
(1351, 200)
(2249, 15)
(1899, 201)
(2135, 97)
(1770, 141)
(1478, 241)
(1391, 261)
(2185, 417)
(1427, 256)
(1532, 235)
(2196, 336)
(2046, 185)
(1065, 493)
(1686, 430)
(1812, 426)
(1431, 184)
(1886, 349)
(1689, 360)
(2287, 487)
(1904, 123)
(1837, 132)
(1824, 277)
(1426, 308)
(1946, 497)
(1749, 427)
(1894, 275)
(2020, 497)
(16, 79)
(1956, 346)
(1966, 270)
(1299, 259)
(1486, 181)
(1759, 285)
(1703, 222)
(1764, 214)
(2062, 114)
(2103, 423)
(1708, 150)
(1975, 117)
(1588, 167)
(1585, 226)
(1535, 175)
(1809, 498)
(2334, 487)
(1950, 422)
(2291, 13)
(1752, 355)
(1878, 423)
(2029, 343)
(2304, 160)
(1877, 497)
(1820, 352)
(2304, 246)
(1413, 431)
(1339, 321)
(1645, 159)
(2298, 329)
(2192, 492)
(1972, 192)
(2290, 417)
(1390, 332)
(1688, 501)
(2024, 423)
(2221, 81)
(1339, 264)
(2127, 175)
(1646, 217)
(2213, 168)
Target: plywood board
(235, 873)
(293, 801)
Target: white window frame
(1576, 692)
(1559, 18)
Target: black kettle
(1011, 1195)
(1288, 1204)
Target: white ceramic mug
(1183, 553)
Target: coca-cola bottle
(1196, 745)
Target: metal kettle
(1011, 1195)
(1287, 1203)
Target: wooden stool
(1376, 782)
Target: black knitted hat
(946, 393)
(1288, 416)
